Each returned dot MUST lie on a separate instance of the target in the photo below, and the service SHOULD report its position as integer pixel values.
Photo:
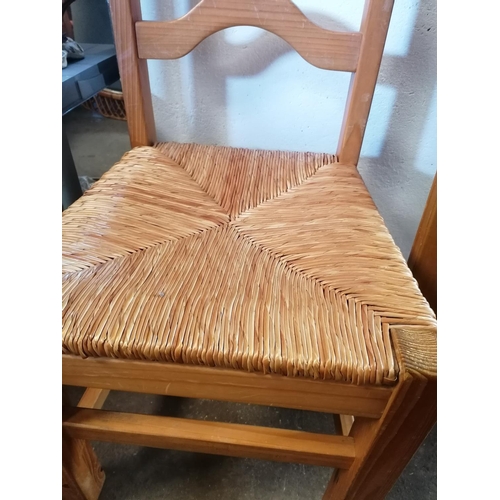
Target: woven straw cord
(255, 260)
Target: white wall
(246, 87)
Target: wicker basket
(108, 103)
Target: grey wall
(245, 87)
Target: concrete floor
(96, 142)
(134, 473)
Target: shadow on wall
(396, 178)
(197, 99)
(194, 102)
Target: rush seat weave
(264, 261)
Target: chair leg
(383, 447)
(82, 476)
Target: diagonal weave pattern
(254, 260)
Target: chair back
(358, 52)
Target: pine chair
(261, 277)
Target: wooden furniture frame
(423, 256)
(382, 426)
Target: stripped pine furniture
(261, 277)
(423, 256)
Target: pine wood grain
(320, 47)
(374, 27)
(133, 73)
(209, 437)
(343, 424)
(82, 476)
(423, 256)
(225, 384)
(384, 447)
(93, 398)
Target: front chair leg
(82, 476)
(383, 447)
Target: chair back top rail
(357, 52)
(321, 47)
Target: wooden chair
(261, 277)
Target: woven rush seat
(273, 262)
